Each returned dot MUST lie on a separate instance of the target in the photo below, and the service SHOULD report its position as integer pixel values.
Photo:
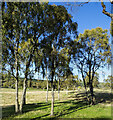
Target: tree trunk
(85, 86)
(16, 84)
(59, 89)
(16, 101)
(86, 90)
(91, 91)
(47, 92)
(47, 87)
(24, 101)
(23, 95)
(52, 87)
(52, 102)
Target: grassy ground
(72, 105)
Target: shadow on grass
(8, 111)
(75, 106)
(104, 97)
(99, 97)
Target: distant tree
(109, 82)
(69, 82)
(78, 81)
(8, 81)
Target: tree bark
(16, 101)
(47, 91)
(23, 100)
(52, 77)
(47, 87)
(17, 75)
(23, 95)
(52, 102)
(59, 89)
(91, 91)
(85, 87)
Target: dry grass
(34, 96)
(8, 96)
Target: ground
(71, 105)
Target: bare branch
(104, 10)
(82, 3)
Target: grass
(72, 105)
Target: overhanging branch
(104, 10)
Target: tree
(12, 19)
(78, 81)
(21, 28)
(56, 39)
(29, 37)
(34, 30)
(8, 80)
(109, 82)
(93, 52)
(69, 82)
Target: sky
(89, 16)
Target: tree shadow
(8, 111)
(40, 117)
(76, 105)
(99, 97)
(103, 97)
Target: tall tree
(12, 19)
(93, 52)
(56, 38)
(33, 31)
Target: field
(71, 105)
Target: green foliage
(78, 82)
(109, 82)
(8, 81)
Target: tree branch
(104, 10)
